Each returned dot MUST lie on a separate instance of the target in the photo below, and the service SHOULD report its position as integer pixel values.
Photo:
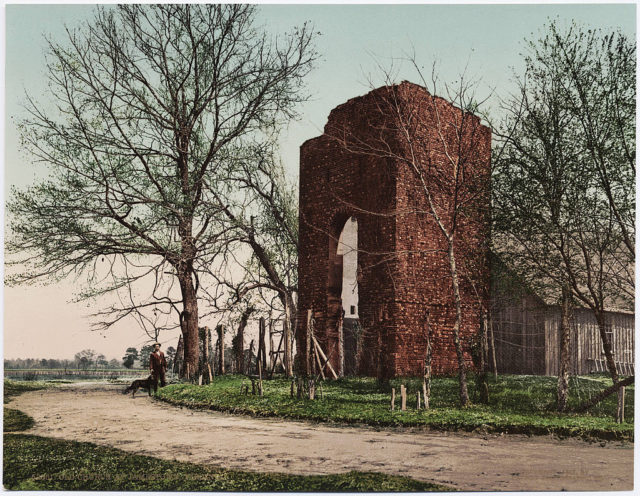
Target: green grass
(38, 463)
(14, 388)
(15, 420)
(518, 404)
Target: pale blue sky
(487, 37)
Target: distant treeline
(55, 363)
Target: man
(157, 367)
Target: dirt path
(100, 414)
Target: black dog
(140, 383)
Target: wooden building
(527, 340)
(526, 331)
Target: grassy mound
(38, 463)
(518, 404)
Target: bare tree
(150, 103)
(564, 176)
(442, 147)
(262, 215)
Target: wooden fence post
(260, 393)
(393, 399)
(403, 398)
(262, 345)
(418, 400)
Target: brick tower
(388, 159)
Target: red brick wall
(358, 168)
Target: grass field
(518, 404)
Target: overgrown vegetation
(518, 404)
(38, 463)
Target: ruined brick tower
(378, 157)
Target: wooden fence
(73, 373)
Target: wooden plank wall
(527, 341)
(519, 340)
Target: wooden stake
(312, 389)
(418, 400)
(324, 357)
(393, 399)
(259, 379)
(271, 346)
(220, 330)
(403, 398)
(315, 352)
(262, 345)
(275, 361)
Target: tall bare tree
(259, 211)
(441, 146)
(564, 176)
(147, 107)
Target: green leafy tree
(145, 352)
(131, 355)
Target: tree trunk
(608, 352)
(462, 375)
(220, 331)
(483, 383)
(262, 347)
(565, 330)
(494, 360)
(189, 323)
(289, 323)
(603, 394)
(204, 368)
(426, 379)
(239, 340)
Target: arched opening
(343, 295)
(348, 248)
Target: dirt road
(100, 414)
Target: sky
(484, 41)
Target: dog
(140, 383)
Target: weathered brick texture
(362, 166)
